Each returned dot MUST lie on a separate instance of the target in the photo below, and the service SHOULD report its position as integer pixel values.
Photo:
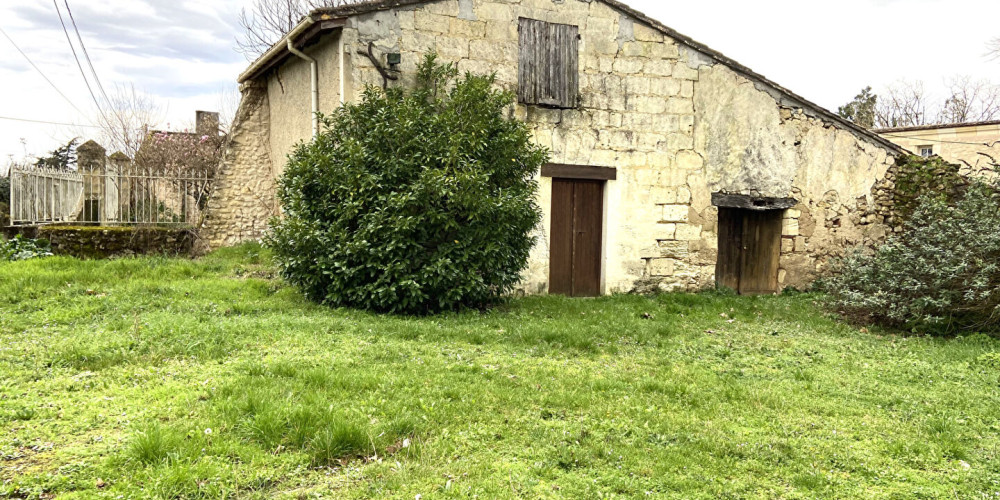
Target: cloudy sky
(181, 51)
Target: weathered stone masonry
(677, 121)
(244, 193)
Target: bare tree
(127, 119)
(268, 20)
(993, 49)
(228, 105)
(970, 101)
(903, 104)
(906, 104)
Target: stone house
(975, 146)
(673, 166)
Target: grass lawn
(166, 378)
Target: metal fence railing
(109, 195)
(41, 195)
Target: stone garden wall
(96, 242)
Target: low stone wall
(94, 242)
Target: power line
(78, 65)
(45, 121)
(85, 54)
(40, 72)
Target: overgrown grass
(169, 378)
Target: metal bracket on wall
(386, 76)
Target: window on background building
(926, 151)
(549, 65)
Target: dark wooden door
(727, 268)
(577, 237)
(749, 248)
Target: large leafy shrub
(412, 201)
(941, 275)
(19, 248)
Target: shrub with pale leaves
(941, 275)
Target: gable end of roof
(782, 95)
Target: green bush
(941, 275)
(23, 249)
(412, 201)
(5, 190)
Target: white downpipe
(314, 80)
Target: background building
(975, 146)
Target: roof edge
(937, 126)
(752, 75)
(307, 29)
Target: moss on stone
(917, 176)
(99, 242)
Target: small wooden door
(749, 248)
(577, 237)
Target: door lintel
(582, 172)
(747, 202)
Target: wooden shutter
(548, 66)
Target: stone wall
(754, 144)
(898, 194)
(676, 123)
(636, 112)
(95, 242)
(243, 197)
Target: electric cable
(86, 55)
(39, 70)
(78, 65)
(45, 121)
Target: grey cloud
(168, 88)
(14, 65)
(166, 29)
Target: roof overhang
(309, 29)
